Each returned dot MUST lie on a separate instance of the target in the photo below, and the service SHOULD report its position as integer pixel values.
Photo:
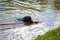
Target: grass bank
(51, 35)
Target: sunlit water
(18, 9)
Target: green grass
(51, 35)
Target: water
(11, 10)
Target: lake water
(9, 11)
